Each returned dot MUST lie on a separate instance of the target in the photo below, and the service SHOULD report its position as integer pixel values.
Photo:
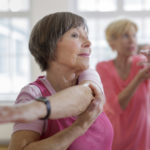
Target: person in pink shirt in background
(60, 45)
(127, 88)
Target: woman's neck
(123, 66)
(61, 77)
(122, 62)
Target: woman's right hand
(8, 114)
(21, 112)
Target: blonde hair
(118, 28)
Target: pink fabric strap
(45, 93)
(41, 86)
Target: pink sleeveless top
(98, 137)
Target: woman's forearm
(125, 96)
(68, 102)
(71, 101)
(60, 141)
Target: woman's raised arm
(68, 102)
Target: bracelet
(48, 107)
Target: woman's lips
(132, 48)
(84, 54)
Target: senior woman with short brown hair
(60, 45)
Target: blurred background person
(127, 88)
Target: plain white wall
(39, 9)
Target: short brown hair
(118, 28)
(47, 32)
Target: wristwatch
(48, 107)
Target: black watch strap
(48, 107)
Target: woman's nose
(87, 43)
(132, 39)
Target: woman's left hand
(97, 92)
(146, 53)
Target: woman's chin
(84, 67)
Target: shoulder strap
(45, 92)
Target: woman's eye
(75, 35)
(125, 35)
(134, 35)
